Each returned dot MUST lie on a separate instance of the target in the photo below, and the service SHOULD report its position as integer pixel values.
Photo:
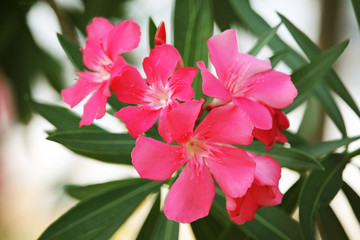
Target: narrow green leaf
(72, 51)
(320, 187)
(62, 118)
(165, 229)
(310, 74)
(263, 40)
(294, 139)
(96, 216)
(152, 32)
(103, 146)
(193, 26)
(82, 192)
(279, 55)
(290, 198)
(287, 157)
(319, 149)
(224, 15)
(312, 51)
(148, 227)
(329, 225)
(353, 199)
(356, 7)
(311, 120)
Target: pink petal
(226, 124)
(87, 83)
(191, 196)
(160, 35)
(233, 170)
(212, 86)
(138, 119)
(95, 108)
(124, 37)
(94, 56)
(274, 89)
(258, 113)
(180, 83)
(268, 170)
(156, 160)
(248, 66)
(163, 128)
(161, 63)
(98, 30)
(266, 196)
(241, 209)
(181, 120)
(130, 87)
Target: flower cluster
(247, 95)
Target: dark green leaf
(290, 198)
(322, 148)
(224, 15)
(353, 199)
(100, 215)
(311, 120)
(294, 139)
(193, 26)
(72, 51)
(356, 7)
(263, 40)
(152, 32)
(62, 118)
(107, 147)
(329, 225)
(312, 51)
(148, 227)
(287, 157)
(320, 187)
(165, 229)
(278, 56)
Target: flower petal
(87, 83)
(266, 196)
(274, 89)
(138, 119)
(161, 63)
(233, 170)
(156, 160)
(241, 209)
(226, 124)
(124, 37)
(180, 83)
(258, 113)
(98, 30)
(181, 120)
(191, 196)
(212, 86)
(160, 35)
(268, 170)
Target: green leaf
(72, 51)
(193, 26)
(148, 227)
(103, 146)
(322, 148)
(290, 198)
(356, 7)
(311, 120)
(62, 118)
(82, 192)
(287, 157)
(312, 51)
(320, 187)
(329, 225)
(165, 229)
(278, 56)
(152, 32)
(224, 15)
(100, 215)
(263, 40)
(353, 199)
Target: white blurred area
(33, 170)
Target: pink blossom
(160, 35)
(101, 54)
(263, 192)
(204, 152)
(244, 80)
(156, 95)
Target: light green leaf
(263, 40)
(311, 120)
(152, 31)
(72, 51)
(278, 56)
(103, 146)
(98, 217)
(353, 199)
(287, 157)
(320, 187)
(148, 227)
(356, 7)
(329, 225)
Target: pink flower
(273, 135)
(103, 48)
(205, 152)
(160, 35)
(263, 192)
(156, 95)
(246, 81)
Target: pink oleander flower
(102, 55)
(157, 94)
(263, 192)
(245, 81)
(273, 135)
(204, 152)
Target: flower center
(195, 148)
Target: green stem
(354, 153)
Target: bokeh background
(33, 67)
